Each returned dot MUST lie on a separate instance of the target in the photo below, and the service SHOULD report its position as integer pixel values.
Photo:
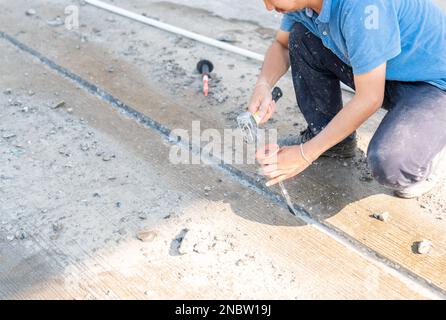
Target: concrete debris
(8, 135)
(142, 216)
(84, 147)
(146, 235)
(15, 103)
(240, 262)
(57, 227)
(31, 12)
(21, 235)
(108, 157)
(384, 217)
(58, 105)
(55, 22)
(423, 247)
(227, 38)
(194, 242)
(176, 244)
(185, 244)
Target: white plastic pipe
(182, 32)
(179, 31)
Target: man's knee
(383, 168)
(392, 169)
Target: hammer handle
(277, 94)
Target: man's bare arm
(367, 101)
(277, 59)
(276, 64)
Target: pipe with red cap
(205, 67)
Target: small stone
(15, 103)
(423, 247)
(118, 204)
(107, 158)
(70, 110)
(9, 135)
(84, 147)
(207, 189)
(142, 216)
(21, 235)
(59, 105)
(10, 238)
(384, 217)
(31, 93)
(239, 263)
(146, 235)
(55, 22)
(366, 179)
(8, 91)
(226, 38)
(96, 195)
(57, 227)
(31, 12)
(186, 246)
(110, 69)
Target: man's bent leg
(411, 135)
(317, 73)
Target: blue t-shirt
(409, 34)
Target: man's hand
(281, 164)
(262, 104)
(276, 64)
